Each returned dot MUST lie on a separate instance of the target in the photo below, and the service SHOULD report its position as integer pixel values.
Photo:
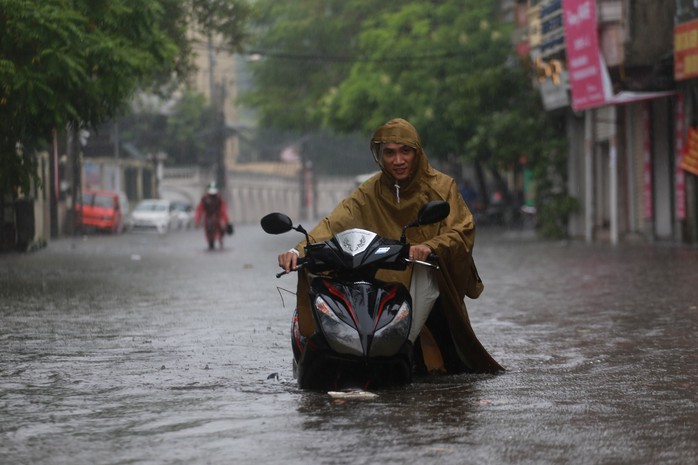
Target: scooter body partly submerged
(362, 323)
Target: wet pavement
(141, 349)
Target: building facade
(608, 70)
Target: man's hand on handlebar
(420, 252)
(288, 261)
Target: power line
(255, 55)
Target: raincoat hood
(400, 131)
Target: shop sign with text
(690, 155)
(686, 50)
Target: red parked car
(102, 210)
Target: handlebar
(299, 264)
(432, 261)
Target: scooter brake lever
(298, 267)
(420, 262)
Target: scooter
(363, 323)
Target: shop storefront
(686, 76)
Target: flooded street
(141, 349)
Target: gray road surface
(141, 349)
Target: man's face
(398, 160)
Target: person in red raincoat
(213, 212)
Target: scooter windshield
(354, 241)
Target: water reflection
(430, 418)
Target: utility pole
(55, 192)
(217, 101)
(73, 171)
(589, 146)
(211, 68)
(221, 175)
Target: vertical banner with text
(679, 175)
(584, 64)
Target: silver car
(184, 213)
(153, 215)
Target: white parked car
(153, 215)
(184, 213)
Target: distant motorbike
(363, 323)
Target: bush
(554, 212)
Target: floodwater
(141, 349)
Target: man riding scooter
(384, 204)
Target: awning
(624, 97)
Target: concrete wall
(254, 195)
(251, 195)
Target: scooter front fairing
(363, 327)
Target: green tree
(304, 49)
(189, 127)
(78, 63)
(71, 62)
(447, 66)
(442, 65)
(352, 65)
(183, 132)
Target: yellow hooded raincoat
(383, 206)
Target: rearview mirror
(276, 223)
(433, 212)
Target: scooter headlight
(388, 340)
(341, 337)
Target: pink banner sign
(584, 64)
(680, 178)
(647, 186)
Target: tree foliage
(447, 66)
(305, 49)
(78, 62)
(184, 133)
(189, 127)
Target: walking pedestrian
(212, 211)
